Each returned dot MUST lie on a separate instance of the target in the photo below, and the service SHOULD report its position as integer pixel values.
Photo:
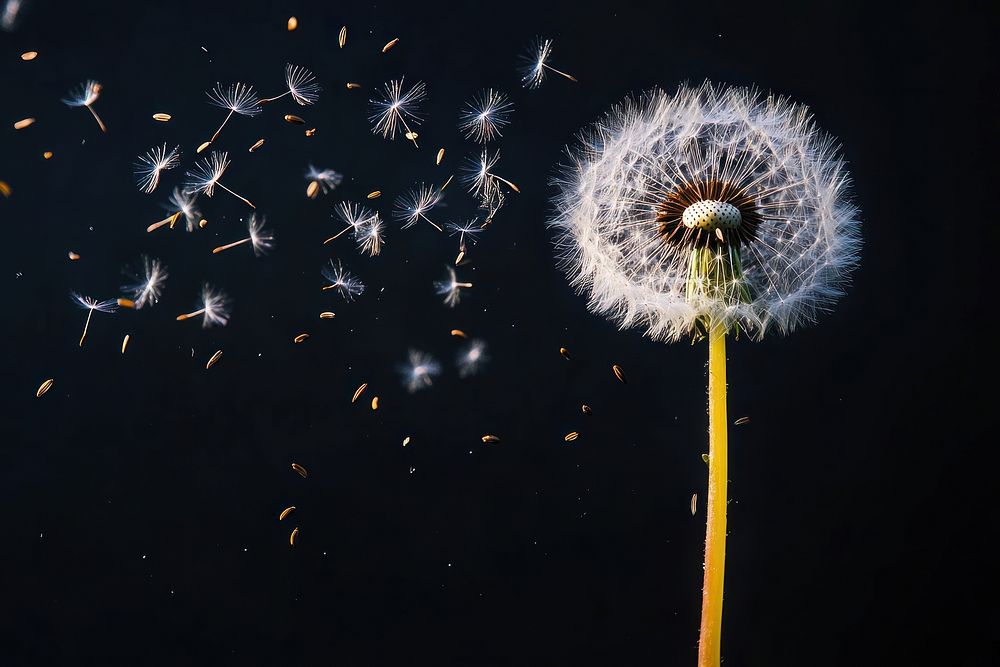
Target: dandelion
(84, 96)
(534, 64)
(301, 85)
(419, 371)
(325, 179)
(471, 358)
(469, 231)
(259, 237)
(710, 211)
(394, 108)
(484, 183)
(482, 119)
(365, 223)
(179, 204)
(413, 206)
(214, 310)
(238, 98)
(341, 280)
(206, 174)
(450, 288)
(147, 281)
(156, 160)
(369, 238)
(90, 305)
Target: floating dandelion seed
(147, 281)
(214, 309)
(180, 204)
(258, 237)
(342, 281)
(369, 238)
(451, 288)
(326, 179)
(535, 63)
(471, 358)
(391, 112)
(237, 98)
(206, 174)
(84, 96)
(419, 371)
(365, 223)
(482, 119)
(89, 304)
(156, 160)
(468, 231)
(413, 206)
(700, 213)
(301, 84)
(484, 183)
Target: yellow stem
(715, 533)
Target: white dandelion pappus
(534, 64)
(214, 310)
(390, 112)
(206, 174)
(470, 230)
(259, 237)
(354, 217)
(326, 179)
(450, 288)
(238, 98)
(485, 116)
(483, 182)
(747, 178)
(90, 305)
(147, 281)
(179, 204)
(84, 96)
(156, 160)
(419, 371)
(301, 85)
(412, 206)
(471, 358)
(342, 281)
(368, 236)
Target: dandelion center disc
(711, 215)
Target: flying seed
(162, 117)
(694, 504)
(299, 469)
(459, 333)
(301, 337)
(704, 457)
(327, 315)
(353, 86)
(411, 135)
(619, 373)
(360, 390)
(342, 37)
(406, 441)
(47, 155)
(23, 123)
(29, 55)
(258, 144)
(490, 438)
(565, 353)
(215, 357)
(741, 421)
(312, 190)
(291, 538)
(374, 194)
(391, 43)
(4, 189)
(204, 146)
(202, 223)
(375, 403)
(440, 156)
(585, 409)
(459, 257)
(446, 183)
(311, 132)
(294, 120)
(44, 387)
(73, 256)
(285, 512)
(125, 342)
(126, 303)
(571, 436)
(293, 23)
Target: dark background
(141, 494)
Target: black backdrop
(141, 494)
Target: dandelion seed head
(83, 95)
(301, 84)
(88, 303)
(485, 116)
(369, 236)
(216, 305)
(183, 202)
(414, 205)
(148, 279)
(419, 371)
(149, 166)
(205, 174)
(534, 61)
(328, 179)
(467, 231)
(341, 280)
(237, 97)
(471, 358)
(450, 288)
(261, 238)
(396, 111)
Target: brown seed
(440, 156)
(585, 409)
(23, 123)
(4, 189)
(704, 457)
(126, 303)
(411, 135)
(459, 257)
(257, 144)
(459, 333)
(294, 120)
(446, 183)
(374, 194)
(291, 538)
(391, 43)
(173, 220)
(299, 469)
(375, 403)
(214, 358)
(162, 117)
(301, 338)
(29, 55)
(565, 353)
(571, 436)
(202, 223)
(285, 512)
(47, 155)
(741, 421)
(619, 373)
(311, 132)
(293, 23)
(694, 504)
(327, 315)
(125, 342)
(73, 256)
(490, 438)
(204, 146)
(353, 86)
(44, 387)
(357, 392)
(342, 37)
(406, 441)
(312, 189)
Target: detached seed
(342, 37)
(312, 190)
(301, 337)
(327, 315)
(162, 117)
(294, 120)
(29, 55)
(291, 538)
(564, 352)
(619, 373)
(125, 342)
(741, 421)
(459, 333)
(23, 123)
(258, 144)
(204, 146)
(357, 392)
(585, 409)
(374, 194)
(353, 86)
(285, 512)
(215, 358)
(299, 469)
(44, 387)
(391, 43)
(293, 23)
(73, 256)
(440, 156)
(375, 403)
(490, 438)
(571, 436)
